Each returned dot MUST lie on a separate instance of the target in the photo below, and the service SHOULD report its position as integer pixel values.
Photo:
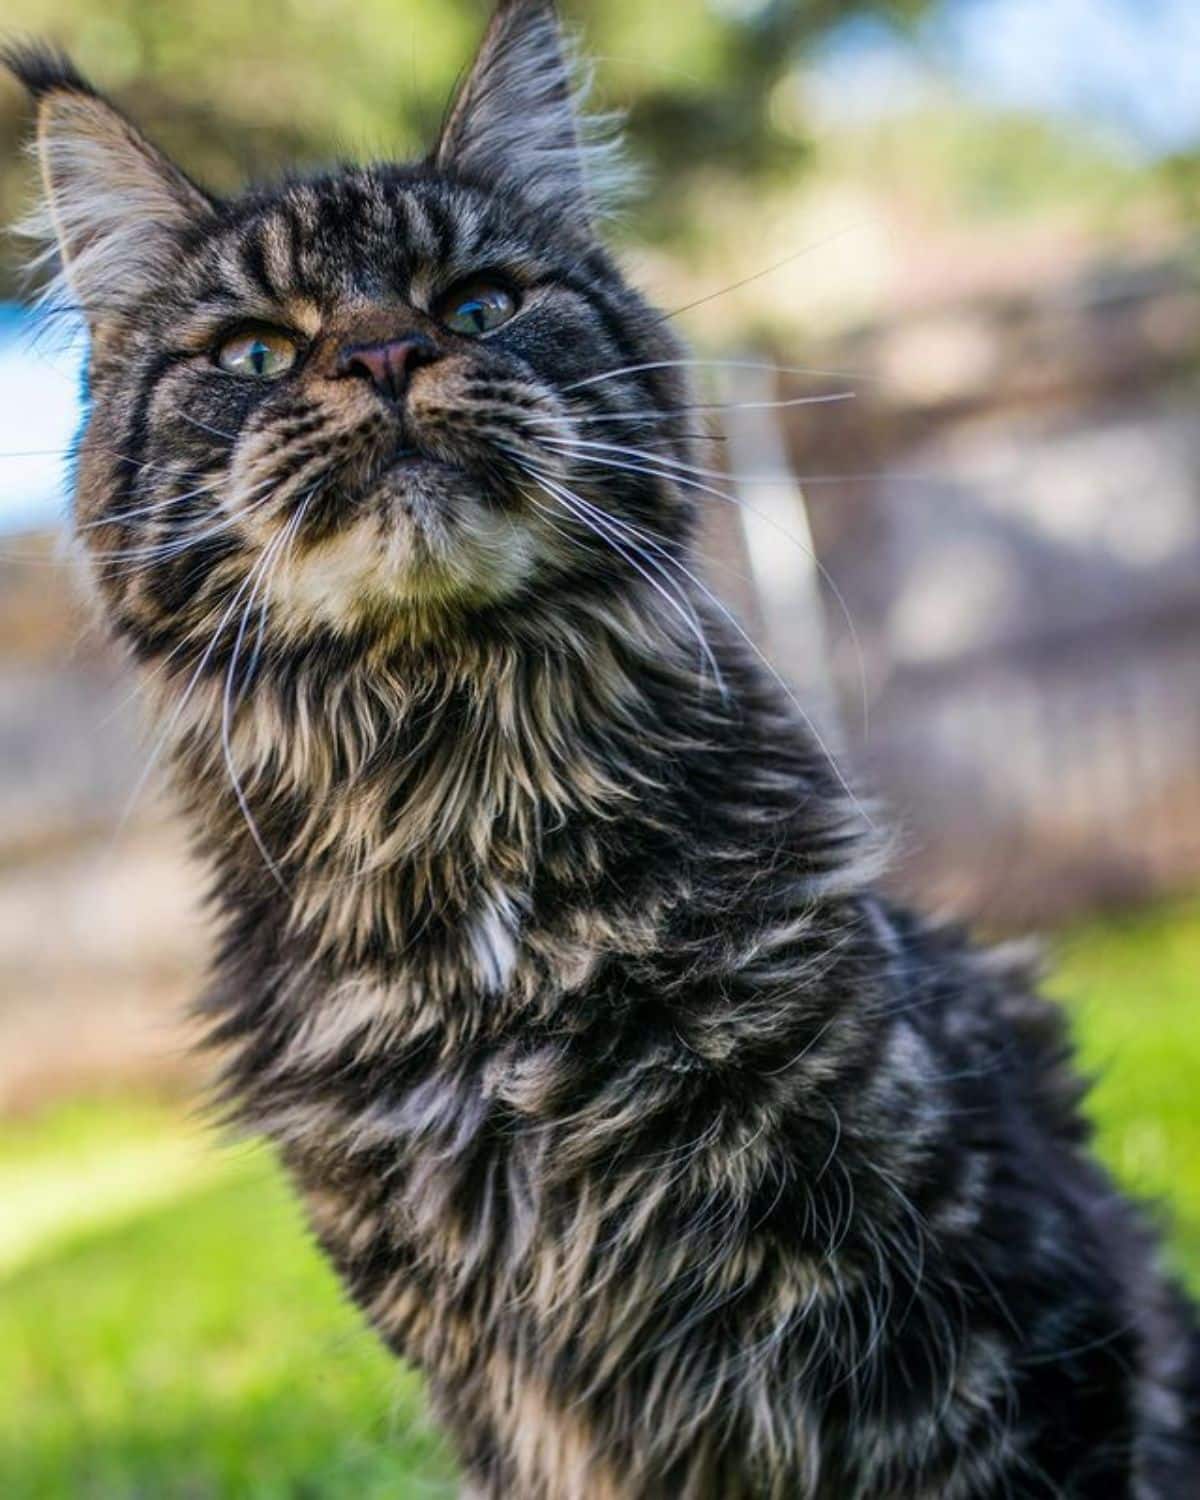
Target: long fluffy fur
(682, 1163)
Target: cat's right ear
(113, 207)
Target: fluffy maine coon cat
(683, 1165)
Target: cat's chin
(423, 537)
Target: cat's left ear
(517, 123)
(114, 208)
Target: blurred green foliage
(746, 161)
(168, 1330)
(239, 91)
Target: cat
(683, 1163)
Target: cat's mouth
(414, 468)
(429, 518)
(411, 458)
(412, 461)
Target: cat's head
(388, 399)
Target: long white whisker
(829, 399)
(36, 453)
(142, 681)
(261, 572)
(231, 437)
(770, 270)
(875, 476)
(604, 526)
(662, 414)
(684, 477)
(116, 517)
(294, 529)
(714, 364)
(140, 464)
(568, 445)
(818, 739)
(612, 535)
(165, 737)
(177, 546)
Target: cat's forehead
(368, 232)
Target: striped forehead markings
(316, 238)
(252, 256)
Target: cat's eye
(260, 353)
(476, 307)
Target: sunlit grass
(169, 1332)
(1134, 986)
(193, 1346)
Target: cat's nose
(389, 365)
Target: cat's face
(363, 401)
(375, 402)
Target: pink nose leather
(389, 365)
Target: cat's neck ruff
(396, 814)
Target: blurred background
(979, 560)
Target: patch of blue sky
(1122, 68)
(40, 413)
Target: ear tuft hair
(519, 121)
(42, 68)
(113, 207)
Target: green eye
(478, 307)
(260, 353)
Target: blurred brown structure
(1020, 552)
(100, 938)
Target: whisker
(684, 478)
(262, 572)
(294, 527)
(141, 465)
(117, 517)
(728, 615)
(715, 364)
(142, 681)
(36, 453)
(204, 427)
(165, 737)
(579, 508)
(127, 562)
(663, 413)
(568, 445)
(766, 271)
(177, 547)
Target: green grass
(183, 1344)
(1133, 985)
(168, 1331)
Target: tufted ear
(517, 123)
(113, 207)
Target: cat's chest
(419, 1072)
(412, 1147)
